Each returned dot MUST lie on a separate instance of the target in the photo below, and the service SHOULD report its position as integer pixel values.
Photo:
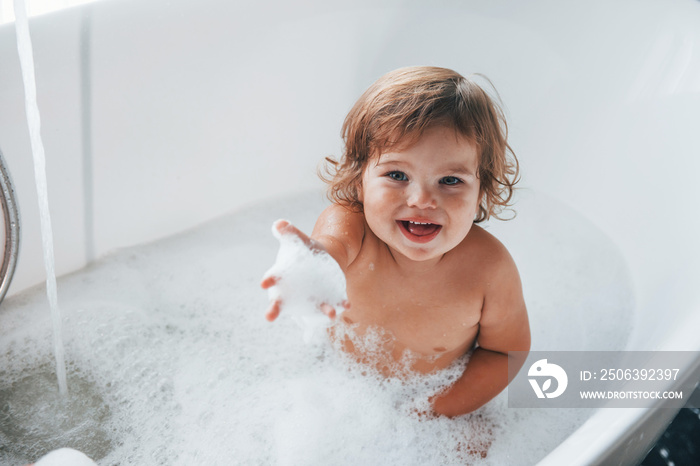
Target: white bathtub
(159, 115)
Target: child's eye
(397, 176)
(450, 180)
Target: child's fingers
(274, 311)
(346, 304)
(328, 310)
(283, 227)
(292, 230)
(269, 282)
(280, 225)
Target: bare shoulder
(341, 231)
(492, 256)
(338, 220)
(504, 323)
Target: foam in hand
(306, 279)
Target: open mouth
(419, 232)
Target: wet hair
(399, 107)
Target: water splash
(26, 57)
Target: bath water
(171, 360)
(26, 57)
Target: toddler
(426, 159)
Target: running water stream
(24, 48)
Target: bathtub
(158, 116)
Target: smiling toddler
(426, 159)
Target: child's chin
(421, 255)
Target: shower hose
(11, 223)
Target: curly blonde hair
(399, 107)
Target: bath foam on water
(59, 419)
(366, 414)
(171, 343)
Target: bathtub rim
(607, 434)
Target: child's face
(432, 182)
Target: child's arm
(503, 327)
(338, 232)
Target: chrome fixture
(11, 222)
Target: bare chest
(434, 317)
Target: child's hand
(305, 278)
(283, 227)
(276, 305)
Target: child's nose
(421, 197)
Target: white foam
(306, 279)
(65, 457)
(173, 362)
